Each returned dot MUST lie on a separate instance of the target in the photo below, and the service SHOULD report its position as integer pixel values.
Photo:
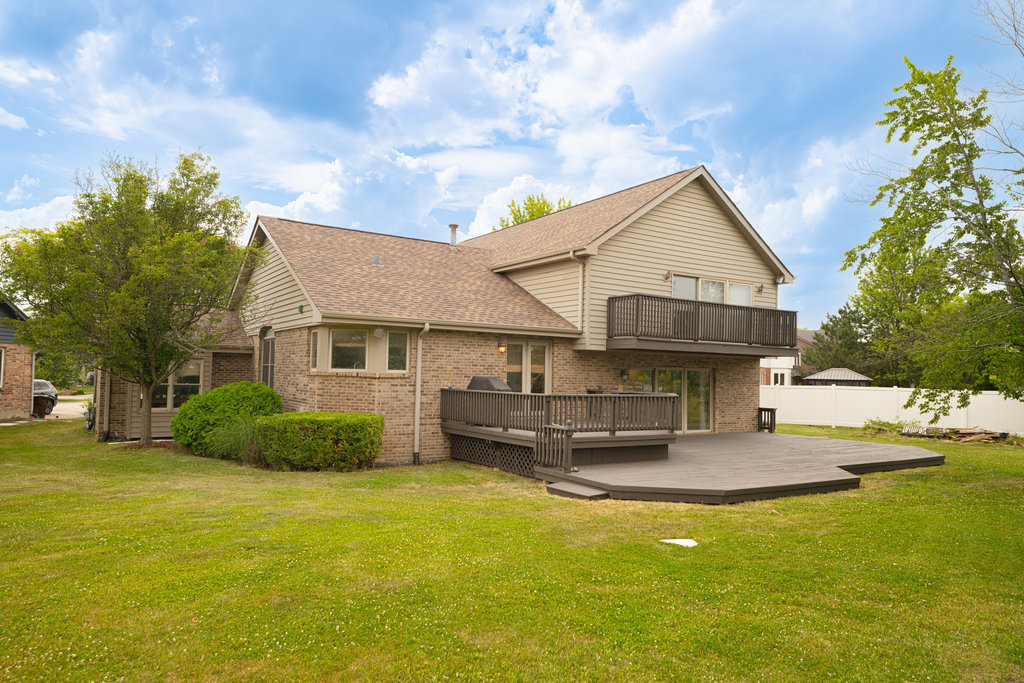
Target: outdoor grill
(481, 383)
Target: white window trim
(387, 349)
(3, 358)
(314, 349)
(713, 279)
(366, 349)
(526, 344)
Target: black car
(41, 387)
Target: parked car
(41, 387)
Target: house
(786, 370)
(662, 287)
(16, 366)
(840, 377)
(118, 403)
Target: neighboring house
(841, 377)
(16, 366)
(661, 287)
(786, 370)
(118, 404)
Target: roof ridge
(589, 201)
(364, 232)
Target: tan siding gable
(278, 296)
(555, 284)
(689, 233)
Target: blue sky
(403, 117)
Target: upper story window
(717, 291)
(398, 351)
(348, 349)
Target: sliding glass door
(693, 387)
(698, 401)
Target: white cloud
(19, 72)
(19, 191)
(495, 204)
(40, 216)
(9, 120)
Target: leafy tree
(134, 280)
(59, 369)
(841, 343)
(534, 206)
(954, 217)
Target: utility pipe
(416, 408)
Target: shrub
(320, 441)
(200, 417)
(236, 440)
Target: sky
(403, 117)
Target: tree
(133, 281)
(841, 343)
(953, 215)
(60, 369)
(534, 206)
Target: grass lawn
(153, 564)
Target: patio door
(526, 367)
(698, 415)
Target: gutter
(416, 406)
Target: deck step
(568, 489)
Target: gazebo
(842, 377)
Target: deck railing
(580, 412)
(662, 317)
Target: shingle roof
(807, 335)
(230, 329)
(416, 280)
(836, 374)
(575, 227)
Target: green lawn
(153, 564)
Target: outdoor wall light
(624, 375)
(379, 333)
(780, 278)
(502, 346)
(760, 289)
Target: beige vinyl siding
(689, 233)
(162, 416)
(278, 296)
(556, 285)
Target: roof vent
(454, 227)
(376, 261)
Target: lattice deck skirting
(507, 457)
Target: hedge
(320, 441)
(200, 417)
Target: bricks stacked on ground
(16, 392)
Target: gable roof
(838, 374)
(585, 226)
(9, 310)
(416, 280)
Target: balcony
(660, 323)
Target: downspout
(416, 408)
(32, 389)
(106, 407)
(579, 300)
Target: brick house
(662, 287)
(16, 367)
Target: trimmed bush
(200, 418)
(320, 441)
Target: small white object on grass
(687, 542)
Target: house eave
(349, 319)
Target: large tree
(957, 219)
(134, 280)
(534, 206)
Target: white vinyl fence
(853, 406)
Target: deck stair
(568, 489)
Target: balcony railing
(580, 412)
(661, 317)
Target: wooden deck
(730, 468)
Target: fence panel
(853, 406)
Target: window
(186, 383)
(314, 338)
(183, 384)
(693, 387)
(712, 290)
(348, 349)
(267, 375)
(779, 378)
(716, 291)
(739, 295)
(2, 367)
(398, 351)
(527, 357)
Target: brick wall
(16, 392)
(231, 367)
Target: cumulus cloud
(44, 215)
(20, 72)
(495, 204)
(19, 192)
